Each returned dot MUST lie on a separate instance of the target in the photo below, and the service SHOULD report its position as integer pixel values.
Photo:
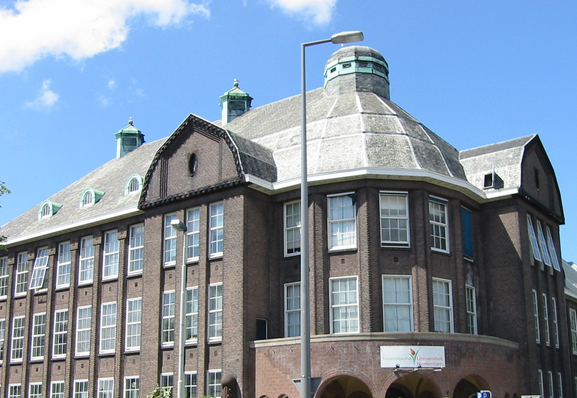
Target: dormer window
(90, 196)
(48, 209)
(134, 184)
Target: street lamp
(305, 380)
(181, 227)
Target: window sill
(134, 274)
(106, 353)
(58, 358)
(216, 256)
(133, 351)
(440, 251)
(343, 249)
(215, 341)
(394, 246)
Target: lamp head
(178, 225)
(347, 37)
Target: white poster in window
(405, 356)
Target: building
(434, 272)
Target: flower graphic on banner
(413, 355)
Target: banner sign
(409, 356)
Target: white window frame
(541, 385)
(292, 309)
(342, 228)
(192, 234)
(21, 275)
(190, 384)
(15, 390)
(83, 330)
(168, 318)
(63, 265)
(441, 306)
(546, 320)
(2, 338)
(393, 301)
(439, 224)
(86, 260)
(81, 388)
(394, 218)
(17, 339)
(543, 245)
(60, 334)
(551, 383)
(105, 387)
(213, 386)
(133, 324)
(108, 315)
(167, 380)
(110, 255)
(292, 228)
(555, 322)
(191, 314)
(533, 239)
(216, 230)
(131, 390)
(4, 273)
(349, 303)
(536, 316)
(552, 250)
(136, 249)
(38, 337)
(35, 390)
(169, 241)
(471, 306)
(57, 389)
(573, 328)
(215, 309)
(39, 269)
(560, 385)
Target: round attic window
(192, 164)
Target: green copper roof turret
(128, 139)
(234, 103)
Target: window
(213, 386)
(394, 219)
(35, 390)
(546, 319)
(167, 380)
(397, 304)
(342, 222)
(131, 387)
(18, 325)
(167, 328)
(536, 316)
(543, 245)
(87, 199)
(39, 270)
(86, 260)
(215, 312)
(191, 313)
(3, 277)
(105, 388)
(533, 239)
(38, 336)
(14, 391)
(83, 324)
(467, 233)
(2, 337)
(192, 233)
(57, 389)
(169, 240)
(107, 327)
(560, 385)
(111, 255)
(439, 224)
(443, 305)
(550, 380)
(136, 249)
(60, 334)
(134, 184)
(292, 312)
(471, 301)
(344, 305)
(80, 388)
(573, 326)
(555, 322)
(63, 265)
(133, 323)
(46, 211)
(292, 228)
(190, 384)
(552, 251)
(21, 274)
(216, 240)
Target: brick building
(434, 272)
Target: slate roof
(570, 270)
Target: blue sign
(484, 394)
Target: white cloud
(46, 98)
(111, 84)
(319, 10)
(78, 28)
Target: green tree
(161, 392)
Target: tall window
(344, 305)
(86, 260)
(216, 240)
(39, 269)
(38, 335)
(111, 255)
(467, 233)
(536, 316)
(107, 327)
(541, 386)
(18, 325)
(57, 389)
(3, 277)
(550, 383)
(167, 380)
(15, 391)
(533, 239)
(136, 248)
(552, 251)
(190, 384)
(80, 388)
(60, 334)
(215, 312)
(394, 219)
(63, 265)
(167, 330)
(191, 313)
(292, 228)
(105, 388)
(397, 304)
(133, 323)
(21, 274)
(439, 224)
(83, 324)
(35, 390)
(2, 337)
(555, 322)
(546, 319)
(192, 233)
(573, 326)
(169, 240)
(131, 387)
(543, 244)
(560, 385)
(471, 302)
(443, 305)
(342, 222)
(213, 386)
(292, 311)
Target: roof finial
(236, 82)
(130, 121)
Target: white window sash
(443, 305)
(292, 228)
(63, 265)
(60, 336)
(342, 227)
(108, 327)
(344, 306)
(397, 303)
(394, 219)
(136, 249)
(215, 312)
(292, 300)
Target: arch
(413, 385)
(48, 209)
(344, 387)
(469, 385)
(133, 184)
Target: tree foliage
(161, 392)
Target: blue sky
(72, 72)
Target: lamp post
(305, 380)
(181, 227)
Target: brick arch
(469, 385)
(344, 386)
(413, 385)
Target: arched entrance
(413, 386)
(344, 387)
(469, 386)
